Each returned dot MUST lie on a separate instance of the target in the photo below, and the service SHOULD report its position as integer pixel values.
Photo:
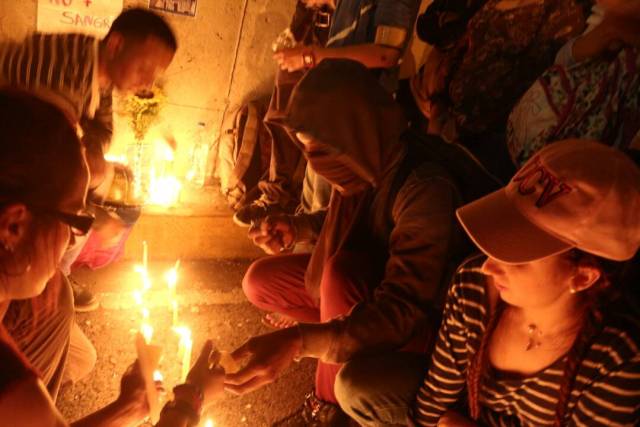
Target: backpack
(244, 152)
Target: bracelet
(191, 394)
(183, 408)
(309, 58)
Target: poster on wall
(181, 7)
(77, 16)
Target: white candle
(185, 347)
(145, 254)
(174, 309)
(171, 276)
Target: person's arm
(394, 21)
(445, 382)
(612, 33)
(420, 249)
(612, 399)
(28, 404)
(130, 406)
(97, 134)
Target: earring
(572, 290)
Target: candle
(171, 276)
(209, 423)
(149, 358)
(185, 347)
(147, 332)
(174, 308)
(157, 376)
(145, 254)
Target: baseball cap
(571, 194)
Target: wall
(224, 58)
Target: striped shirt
(606, 391)
(60, 68)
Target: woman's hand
(275, 234)
(207, 374)
(133, 394)
(291, 59)
(269, 355)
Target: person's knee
(255, 280)
(82, 356)
(351, 388)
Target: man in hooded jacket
(380, 264)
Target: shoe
(83, 300)
(255, 211)
(316, 413)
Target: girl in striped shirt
(530, 334)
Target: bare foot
(278, 321)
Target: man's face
(136, 65)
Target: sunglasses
(80, 224)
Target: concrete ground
(212, 305)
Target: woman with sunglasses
(534, 332)
(43, 185)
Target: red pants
(277, 284)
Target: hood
(341, 105)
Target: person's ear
(14, 220)
(586, 275)
(114, 45)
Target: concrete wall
(223, 59)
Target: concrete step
(190, 233)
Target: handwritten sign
(77, 16)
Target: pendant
(533, 332)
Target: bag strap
(247, 143)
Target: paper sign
(181, 7)
(77, 16)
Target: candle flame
(164, 191)
(183, 332)
(137, 296)
(145, 313)
(147, 332)
(157, 376)
(209, 423)
(171, 276)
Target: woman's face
(48, 239)
(535, 284)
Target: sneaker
(83, 300)
(316, 413)
(256, 211)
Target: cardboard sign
(77, 16)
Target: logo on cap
(533, 176)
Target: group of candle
(149, 354)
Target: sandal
(278, 321)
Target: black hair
(138, 24)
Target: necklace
(534, 337)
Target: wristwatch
(309, 58)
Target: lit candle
(149, 358)
(147, 332)
(157, 376)
(185, 347)
(171, 276)
(209, 423)
(145, 254)
(174, 309)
